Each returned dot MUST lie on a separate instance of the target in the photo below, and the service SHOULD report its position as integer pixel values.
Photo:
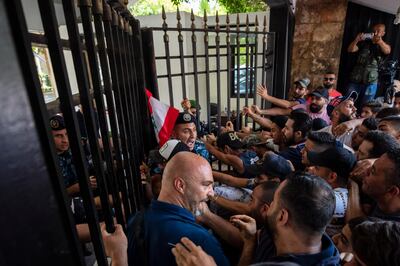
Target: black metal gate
(230, 59)
(226, 60)
(109, 69)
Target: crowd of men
(317, 184)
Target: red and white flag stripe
(163, 117)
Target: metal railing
(114, 71)
(228, 44)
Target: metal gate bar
(124, 171)
(105, 72)
(73, 33)
(50, 25)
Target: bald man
(187, 182)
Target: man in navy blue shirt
(187, 182)
(302, 207)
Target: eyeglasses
(330, 79)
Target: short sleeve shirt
(164, 225)
(323, 115)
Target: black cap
(185, 118)
(337, 159)
(230, 139)
(57, 122)
(338, 100)
(322, 93)
(273, 165)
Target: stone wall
(318, 38)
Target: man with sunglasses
(329, 84)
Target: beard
(289, 141)
(271, 223)
(343, 118)
(328, 85)
(315, 108)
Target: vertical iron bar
(138, 64)
(117, 28)
(135, 42)
(247, 67)
(207, 72)
(71, 253)
(237, 72)
(167, 60)
(122, 97)
(86, 100)
(271, 43)
(254, 66)
(263, 77)
(229, 83)
(122, 166)
(181, 59)
(137, 58)
(218, 59)
(195, 77)
(134, 111)
(98, 14)
(50, 26)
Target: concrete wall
(317, 38)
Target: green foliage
(151, 7)
(154, 7)
(243, 6)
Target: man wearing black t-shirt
(371, 50)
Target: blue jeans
(366, 92)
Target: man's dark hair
(268, 190)
(374, 105)
(397, 94)
(302, 122)
(370, 123)
(388, 111)
(393, 178)
(382, 142)
(310, 202)
(329, 72)
(322, 138)
(352, 223)
(394, 120)
(377, 243)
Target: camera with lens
(387, 72)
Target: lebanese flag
(163, 117)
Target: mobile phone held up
(367, 36)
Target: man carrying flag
(169, 123)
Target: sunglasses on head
(330, 79)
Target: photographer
(371, 50)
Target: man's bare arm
(223, 228)
(229, 159)
(353, 45)
(263, 92)
(230, 180)
(231, 205)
